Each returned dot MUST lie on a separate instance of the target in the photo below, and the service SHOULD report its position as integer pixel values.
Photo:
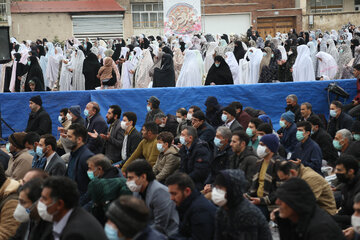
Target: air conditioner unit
(357, 7)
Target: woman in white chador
(303, 68)
(255, 56)
(327, 65)
(332, 50)
(313, 52)
(209, 58)
(44, 60)
(192, 71)
(66, 75)
(53, 68)
(142, 78)
(234, 66)
(126, 76)
(78, 80)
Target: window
(322, 6)
(3, 12)
(147, 15)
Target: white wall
(230, 23)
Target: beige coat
(8, 224)
(19, 165)
(320, 187)
(167, 163)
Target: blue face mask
(224, 118)
(182, 140)
(159, 147)
(312, 132)
(249, 132)
(341, 50)
(217, 142)
(32, 152)
(264, 54)
(333, 113)
(91, 175)
(357, 137)
(86, 113)
(29, 63)
(60, 119)
(282, 124)
(111, 233)
(217, 65)
(337, 145)
(148, 108)
(272, 55)
(39, 151)
(300, 136)
(8, 147)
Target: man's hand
(255, 201)
(355, 103)
(207, 188)
(349, 233)
(105, 137)
(94, 134)
(297, 161)
(272, 214)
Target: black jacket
(39, 122)
(97, 123)
(343, 121)
(197, 218)
(82, 226)
(324, 140)
(40, 230)
(219, 162)
(150, 115)
(91, 68)
(206, 133)
(353, 149)
(195, 162)
(170, 126)
(296, 110)
(133, 141)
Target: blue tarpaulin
(268, 97)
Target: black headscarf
(117, 52)
(145, 44)
(37, 83)
(34, 71)
(239, 51)
(219, 75)
(354, 43)
(165, 75)
(182, 46)
(41, 50)
(91, 68)
(167, 50)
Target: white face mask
(189, 116)
(123, 125)
(355, 222)
(179, 120)
(162, 125)
(43, 213)
(133, 186)
(218, 197)
(261, 151)
(21, 214)
(68, 116)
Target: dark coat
(353, 149)
(150, 115)
(4, 159)
(39, 122)
(219, 75)
(170, 126)
(41, 230)
(243, 118)
(82, 226)
(213, 117)
(206, 133)
(91, 68)
(343, 121)
(324, 140)
(97, 123)
(295, 109)
(195, 162)
(56, 166)
(242, 220)
(133, 141)
(114, 144)
(165, 75)
(150, 234)
(309, 153)
(219, 162)
(236, 126)
(288, 139)
(197, 218)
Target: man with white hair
(293, 106)
(343, 142)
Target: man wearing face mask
(338, 119)
(141, 181)
(65, 121)
(32, 226)
(99, 166)
(288, 128)
(251, 131)
(228, 117)
(307, 151)
(221, 155)
(293, 106)
(49, 160)
(59, 204)
(347, 172)
(213, 112)
(323, 139)
(181, 118)
(191, 111)
(77, 167)
(39, 120)
(204, 130)
(265, 180)
(132, 137)
(343, 143)
(241, 116)
(169, 158)
(236, 216)
(166, 123)
(20, 161)
(94, 123)
(152, 108)
(113, 139)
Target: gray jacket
(56, 166)
(163, 214)
(114, 144)
(236, 126)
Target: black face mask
(342, 177)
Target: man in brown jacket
(20, 161)
(8, 204)
(168, 160)
(320, 187)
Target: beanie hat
(127, 219)
(75, 110)
(37, 100)
(17, 140)
(297, 194)
(271, 141)
(230, 110)
(154, 101)
(289, 116)
(355, 127)
(265, 118)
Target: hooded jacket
(167, 163)
(240, 220)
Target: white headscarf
(209, 58)
(313, 52)
(44, 61)
(327, 66)
(53, 67)
(332, 50)
(234, 66)
(254, 67)
(283, 52)
(78, 81)
(192, 71)
(124, 51)
(303, 68)
(142, 78)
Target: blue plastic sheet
(268, 97)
